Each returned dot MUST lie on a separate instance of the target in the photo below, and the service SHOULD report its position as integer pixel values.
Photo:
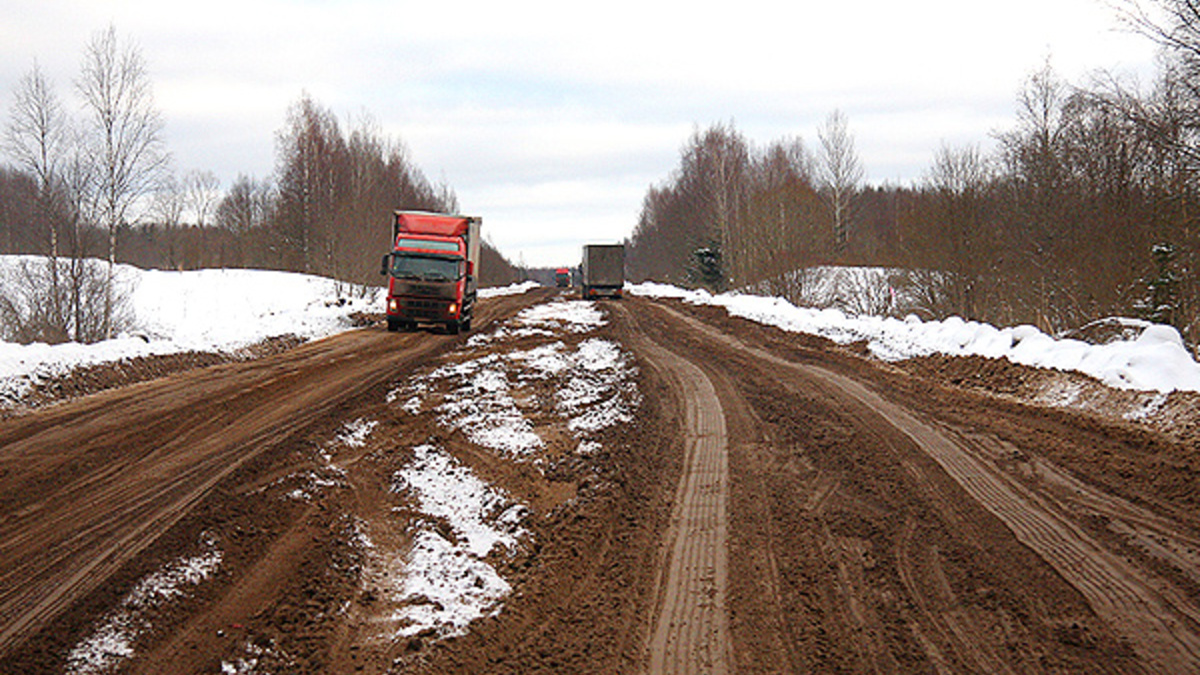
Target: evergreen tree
(708, 268)
(1161, 303)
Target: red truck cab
(432, 270)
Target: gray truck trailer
(603, 270)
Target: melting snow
(447, 588)
(354, 434)
(483, 408)
(113, 640)
(447, 580)
(481, 396)
(444, 488)
(575, 316)
(449, 584)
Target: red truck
(432, 270)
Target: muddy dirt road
(749, 501)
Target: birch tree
(126, 129)
(841, 175)
(36, 138)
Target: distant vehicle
(603, 270)
(432, 270)
(562, 277)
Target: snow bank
(203, 310)
(216, 310)
(1157, 360)
(513, 289)
(224, 309)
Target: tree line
(1086, 208)
(91, 190)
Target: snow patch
(484, 397)
(1148, 408)
(114, 639)
(482, 406)
(573, 316)
(448, 584)
(443, 488)
(446, 588)
(354, 434)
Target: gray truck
(603, 270)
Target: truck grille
(424, 309)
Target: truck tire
(393, 325)
(452, 327)
(466, 326)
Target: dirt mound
(1175, 414)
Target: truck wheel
(452, 327)
(393, 325)
(466, 326)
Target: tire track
(91, 484)
(690, 631)
(1158, 619)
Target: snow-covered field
(1156, 360)
(204, 311)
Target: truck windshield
(424, 268)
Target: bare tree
(1174, 24)
(126, 130)
(201, 194)
(36, 137)
(245, 206)
(713, 184)
(956, 240)
(169, 202)
(783, 226)
(841, 174)
(167, 208)
(311, 178)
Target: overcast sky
(551, 119)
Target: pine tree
(1161, 302)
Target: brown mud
(938, 515)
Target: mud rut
(1158, 622)
(778, 505)
(691, 632)
(89, 485)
